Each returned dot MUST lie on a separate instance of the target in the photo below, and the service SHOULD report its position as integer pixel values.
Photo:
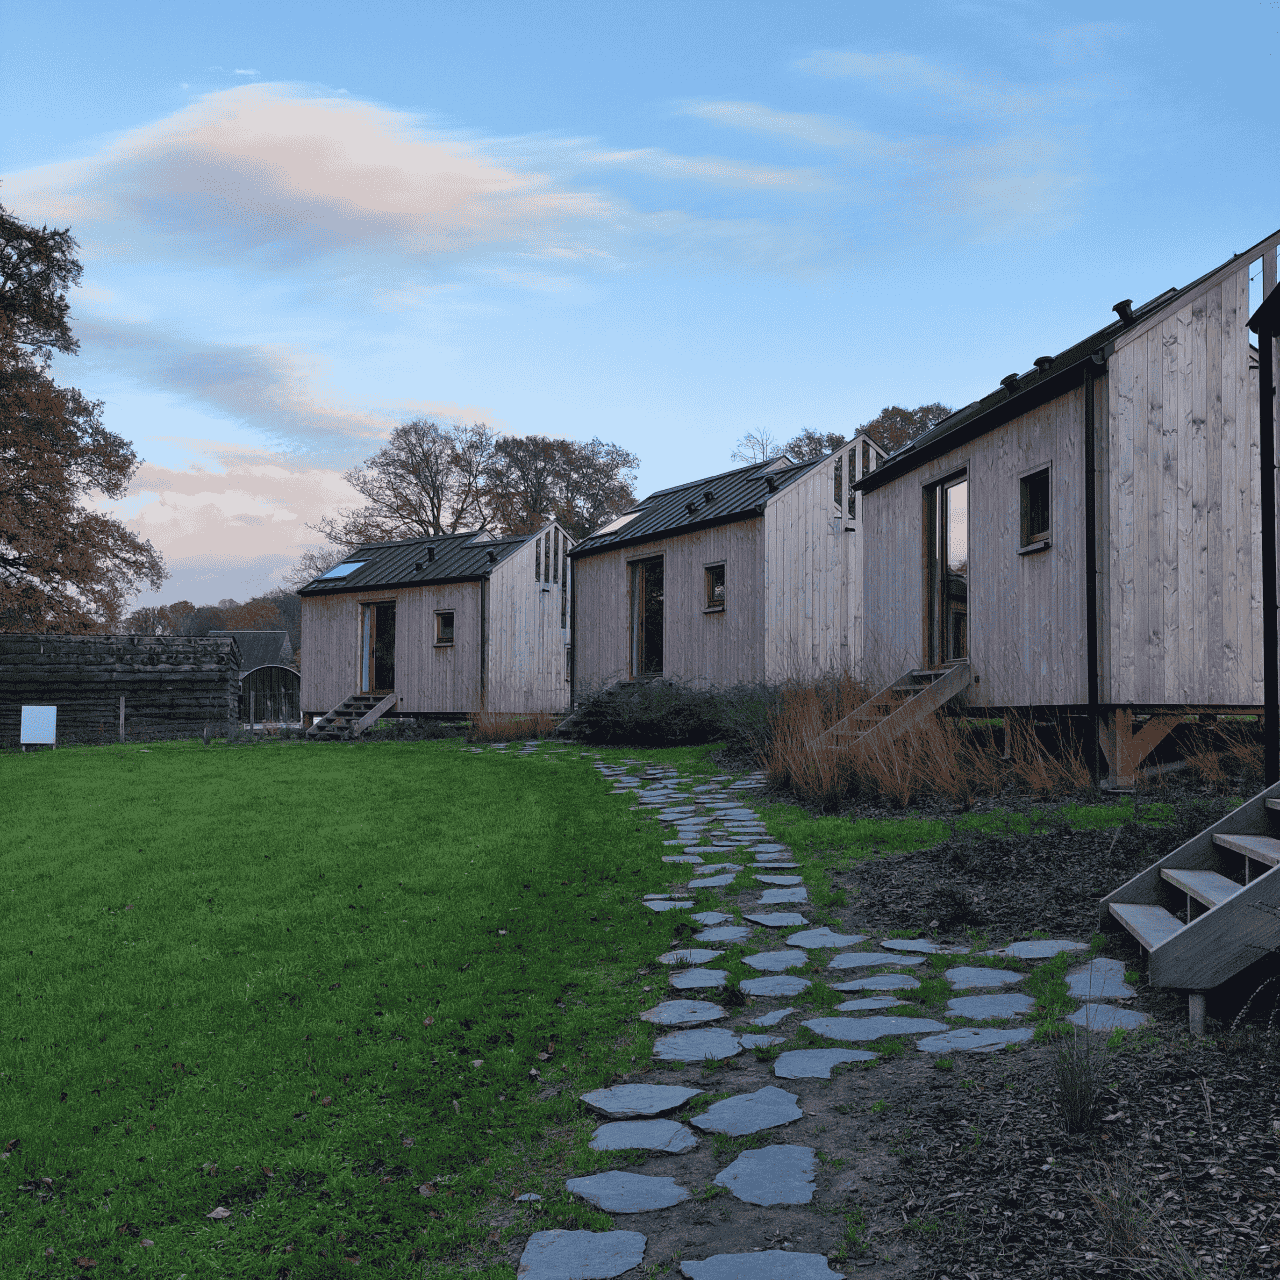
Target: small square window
(1035, 504)
(444, 627)
(715, 587)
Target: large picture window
(647, 617)
(946, 531)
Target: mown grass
(300, 983)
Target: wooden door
(378, 647)
(647, 617)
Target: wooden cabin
(750, 575)
(270, 685)
(1087, 537)
(441, 626)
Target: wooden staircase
(1211, 907)
(898, 708)
(352, 717)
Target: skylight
(616, 524)
(342, 570)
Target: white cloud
(816, 130)
(241, 71)
(711, 169)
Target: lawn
(346, 993)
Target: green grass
(689, 760)
(300, 982)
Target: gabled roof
(459, 557)
(261, 648)
(1013, 398)
(735, 495)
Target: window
(715, 588)
(1035, 509)
(342, 570)
(444, 626)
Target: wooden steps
(1226, 883)
(897, 709)
(351, 717)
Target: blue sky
(303, 224)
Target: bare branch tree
(757, 446)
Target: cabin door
(646, 617)
(378, 647)
(946, 511)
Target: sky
(664, 225)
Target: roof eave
(394, 586)
(663, 535)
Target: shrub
(410, 730)
(665, 713)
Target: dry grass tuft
(494, 726)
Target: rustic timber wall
(526, 662)
(428, 678)
(1181, 609)
(1026, 613)
(171, 681)
(699, 648)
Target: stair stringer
(905, 717)
(370, 717)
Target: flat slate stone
(747, 815)
(760, 1042)
(623, 1101)
(697, 1046)
(816, 1064)
(669, 904)
(702, 848)
(924, 946)
(711, 869)
(974, 1039)
(580, 1255)
(765, 866)
(528, 1196)
(767, 1264)
(775, 961)
(654, 897)
(696, 979)
(871, 1028)
(683, 1013)
(776, 919)
(690, 955)
(771, 1019)
(780, 879)
(618, 1192)
(667, 1137)
(712, 882)
(769, 848)
(726, 933)
(780, 1174)
(712, 917)
(824, 937)
(1106, 1017)
(864, 959)
(1042, 948)
(1100, 979)
(967, 976)
(1009, 1004)
(781, 984)
(746, 1113)
(866, 1004)
(680, 857)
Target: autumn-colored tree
(895, 426)
(811, 445)
(63, 566)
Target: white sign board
(39, 725)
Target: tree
(811, 445)
(311, 565)
(757, 446)
(597, 483)
(894, 426)
(63, 566)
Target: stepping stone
(1100, 979)
(1011, 1004)
(871, 1028)
(746, 1113)
(697, 979)
(581, 1255)
(866, 1004)
(771, 1019)
(700, 848)
(656, 897)
(683, 1013)
(776, 919)
(697, 1046)
(781, 1174)
(864, 959)
(712, 882)
(666, 1137)
(922, 945)
(824, 937)
(1106, 1017)
(529, 1196)
(781, 880)
(760, 1042)
(622, 1101)
(679, 857)
(726, 933)
(970, 976)
(769, 848)
(1041, 948)
(782, 984)
(766, 866)
(690, 955)
(618, 1192)
(747, 815)
(767, 1264)
(712, 917)
(974, 1039)
(775, 961)
(668, 904)
(671, 842)
(816, 1064)
(713, 867)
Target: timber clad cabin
(449, 625)
(751, 575)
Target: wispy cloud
(815, 130)
(657, 163)
(244, 71)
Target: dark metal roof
(261, 648)
(1020, 394)
(736, 495)
(458, 558)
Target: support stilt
(1195, 1012)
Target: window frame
(711, 606)
(1028, 545)
(453, 623)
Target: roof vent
(1124, 310)
(418, 566)
(493, 556)
(1044, 363)
(431, 554)
(1009, 381)
(771, 483)
(709, 496)
(691, 508)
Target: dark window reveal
(1035, 507)
(715, 586)
(444, 627)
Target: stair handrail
(371, 717)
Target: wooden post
(251, 698)
(1195, 1012)
(122, 717)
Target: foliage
(811, 445)
(63, 565)
(895, 426)
(665, 713)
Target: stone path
(721, 853)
